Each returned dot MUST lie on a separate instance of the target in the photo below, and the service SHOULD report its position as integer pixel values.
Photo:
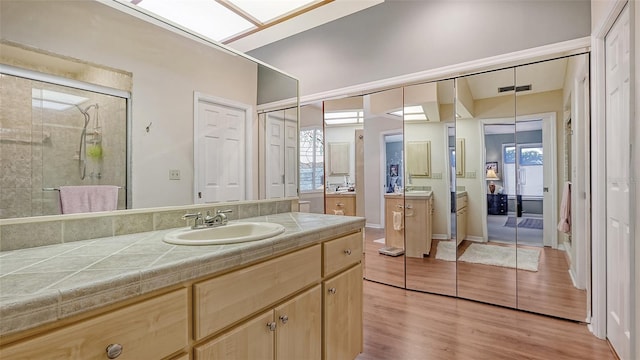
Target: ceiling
(248, 24)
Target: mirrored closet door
(384, 183)
(486, 245)
(430, 247)
(546, 110)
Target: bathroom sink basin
(225, 234)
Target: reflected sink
(225, 234)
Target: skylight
(411, 113)
(54, 100)
(226, 20)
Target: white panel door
(221, 153)
(617, 171)
(275, 157)
(290, 158)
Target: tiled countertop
(44, 284)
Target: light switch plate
(174, 174)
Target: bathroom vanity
(461, 216)
(340, 203)
(297, 295)
(418, 223)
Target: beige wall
(166, 70)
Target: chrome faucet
(199, 221)
(219, 219)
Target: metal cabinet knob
(347, 252)
(332, 290)
(272, 326)
(284, 318)
(114, 350)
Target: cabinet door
(250, 340)
(417, 219)
(343, 315)
(393, 237)
(300, 327)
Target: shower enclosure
(53, 135)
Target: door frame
(598, 325)
(248, 138)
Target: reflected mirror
(311, 158)
(343, 124)
(384, 182)
(430, 249)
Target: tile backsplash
(49, 230)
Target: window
(529, 179)
(311, 159)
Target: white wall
(166, 68)
(401, 37)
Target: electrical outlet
(174, 174)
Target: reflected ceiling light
(344, 117)
(411, 113)
(227, 20)
(54, 100)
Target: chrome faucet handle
(192, 216)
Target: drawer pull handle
(332, 290)
(284, 318)
(272, 326)
(348, 251)
(114, 350)
(340, 204)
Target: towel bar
(58, 189)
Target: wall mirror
(430, 248)
(384, 182)
(174, 78)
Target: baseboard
(573, 278)
(474, 238)
(374, 226)
(440, 236)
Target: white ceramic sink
(226, 234)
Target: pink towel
(90, 198)
(565, 210)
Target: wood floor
(547, 291)
(406, 325)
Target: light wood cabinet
(248, 290)
(461, 219)
(418, 225)
(291, 331)
(393, 237)
(151, 329)
(343, 315)
(250, 340)
(274, 309)
(340, 204)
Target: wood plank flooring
(406, 325)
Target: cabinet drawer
(152, 329)
(342, 252)
(461, 202)
(341, 204)
(226, 299)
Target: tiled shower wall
(39, 147)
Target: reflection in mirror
(384, 173)
(343, 123)
(163, 169)
(486, 266)
(55, 136)
(280, 153)
(311, 159)
(430, 248)
(543, 154)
